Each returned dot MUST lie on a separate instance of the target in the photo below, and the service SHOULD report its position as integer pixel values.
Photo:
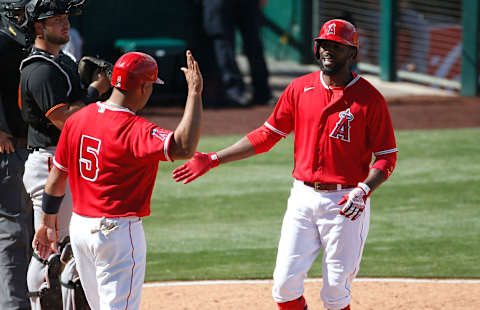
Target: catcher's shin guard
(297, 304)
(73, 290)
(78, 295)
(50, 292)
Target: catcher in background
(340, 120)
(110, 157)
(51, 91)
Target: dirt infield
(417, 112)
(366, 296)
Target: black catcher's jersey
(45, 82)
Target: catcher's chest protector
(67, 67)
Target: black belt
(33, 149)
(328, 186)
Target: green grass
(226, 224)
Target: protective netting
(429, 33)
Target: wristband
(364, 187)
(92, 95)
(51, 204)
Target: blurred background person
(16, 225)
(220, 20)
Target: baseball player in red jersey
(111, 157)
(340, 120)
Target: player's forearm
(375, 178)
(59, 115)
(240, 150)
(187, 133)
(49, 220)
(56, 182)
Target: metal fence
(429, 36)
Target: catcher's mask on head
(36, 10)
(134, 69)
(337, 30)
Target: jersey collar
(112, 106)
(356, 77)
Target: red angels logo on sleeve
(158, 134)
(342, 128)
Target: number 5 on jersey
(89, 150)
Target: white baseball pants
(312, 223)
(111, 257)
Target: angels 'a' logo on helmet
(119, 82)
(342, 128)
(331, 29)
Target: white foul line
(228, 282)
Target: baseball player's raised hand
(195, 167)
(354, 202)
(45, 239)
(192, 74)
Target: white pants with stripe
(110, 259)
(311, 224)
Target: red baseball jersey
(337, 129)
(111, 156)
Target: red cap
(134, 69)
(340, 31)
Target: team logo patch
(342, 128)
(118, 84)
(160, 135)
(331, 29)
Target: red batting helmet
(340, 31)
(134, 69)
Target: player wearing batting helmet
(110, 157)
(340, 121)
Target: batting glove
(195, 167)
(354, 201)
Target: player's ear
(354, 53)
(38, 27)
(143, 88)
(316, 50)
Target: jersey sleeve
(281, 121)
(380, 129)
(48, 86)
(60, 160)
(151, 142)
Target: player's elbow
(185, 153)
(183, 150)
